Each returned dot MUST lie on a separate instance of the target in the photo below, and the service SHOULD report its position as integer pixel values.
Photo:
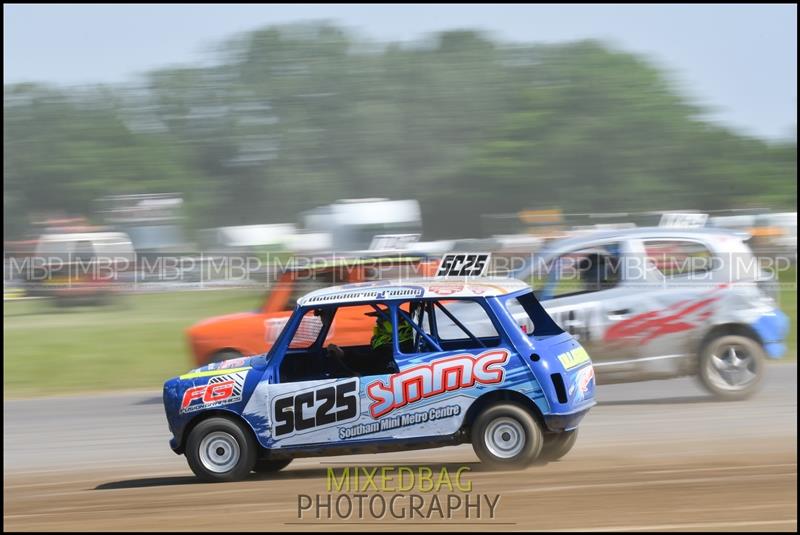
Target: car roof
(415, 288)
(638, 233)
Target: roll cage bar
(395, 313)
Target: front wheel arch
(220, 449)
(214, 413)
(725, 329)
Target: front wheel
(732, 367)
(505, 436)
(219, 449)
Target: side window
(675, 258)
(355, 325)
(470, 314)
(452, 324)
(521, 317)
(308, 331)
(585, 271)
(84, 252)
(357, 342)
(530, 317)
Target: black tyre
(506, 436)
(225, 354)
(556, 445)
(732, 367)
(219, 449)
(266, 466)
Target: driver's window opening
(308, 330)
(340, 342)
(359, 340)
(586, 271)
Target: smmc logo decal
(442, 375)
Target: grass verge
(138, 342)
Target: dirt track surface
(653, 456)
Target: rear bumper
(567, 421)
(772, 329)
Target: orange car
(252, 333)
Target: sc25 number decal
(464, 265)
(315, 408)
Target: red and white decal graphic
(220, 390)
(444, 289)
(681, 316)
(478, 289)
(443, 375)
(585, 376)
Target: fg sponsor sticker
(315, 408)
(220, 390)
(573, 358)
(442, 375)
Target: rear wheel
(219, 449)
(266, 466)
(556, 445)
(506, 436)
(732, 367)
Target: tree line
(287, 118)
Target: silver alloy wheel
(732, 367)
(504, 437)
(219, 452)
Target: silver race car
(658, 303)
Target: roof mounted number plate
(464, 265)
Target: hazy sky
(741, 60)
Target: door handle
(621, 313)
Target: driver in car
(381, 344)
(382, 336)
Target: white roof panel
(386, 290)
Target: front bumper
(772, 328)
(174, 446)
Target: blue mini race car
(446, 361)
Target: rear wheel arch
(501, 396)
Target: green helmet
(382, 332)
